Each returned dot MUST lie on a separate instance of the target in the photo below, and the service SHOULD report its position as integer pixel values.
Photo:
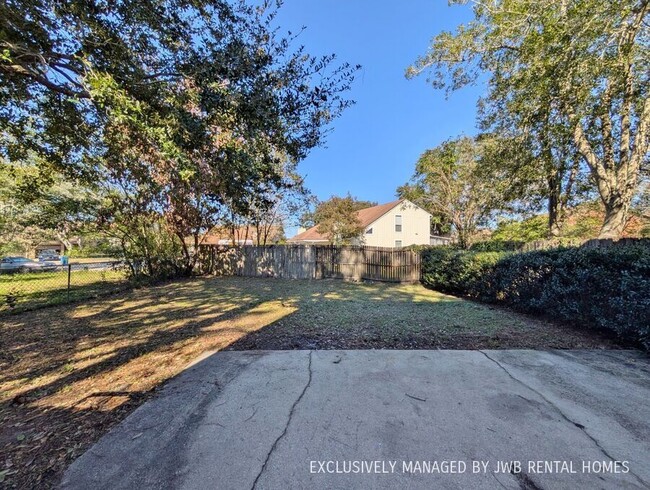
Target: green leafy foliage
(455, 271)
(179, 111)
(527, 230)
(565, 79)
(604, 288)
(37, 204)
(337, 218)
(448, 182)
(497, 246)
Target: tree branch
(43, 80)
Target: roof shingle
(366, 217)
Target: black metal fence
(55, 284)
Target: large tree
(179, 108)
(337, 218)
(583, 66)
(449, 183)
(38, 205)
(440, 224)
(270, 212)
(540, 168)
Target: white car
(23, 264)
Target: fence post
(69, 274)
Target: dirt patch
(70, 373)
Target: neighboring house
(57, 246)
(440, 241)
(244, 235)
(395, 224)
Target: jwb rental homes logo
(460, 466)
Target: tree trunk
(616, 183)
(553, 180)
(463, 236)
(187, 266)
(554, 211)
(63, 239)
(616, 176)
(616, 215)
(554, 226)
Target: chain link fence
(56, 284)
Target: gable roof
(366, 216)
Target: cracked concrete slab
(399, 418)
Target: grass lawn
(37, 289)
(69, 373)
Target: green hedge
(497, 246)
(605, 288)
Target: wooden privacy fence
(313, 262)
(577, 242)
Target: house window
(369, 231)
(398, 222)
(398, 243)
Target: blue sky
(375, 144)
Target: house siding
(415, 227)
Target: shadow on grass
(68, 374)
(71, 372)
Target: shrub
(527, 230)
(497, 246)
(606, 288)
(455, 270)
(96, 248)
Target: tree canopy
(181, 110)
(449, 184)
(564, 78)
(337, 218)
(35, 207)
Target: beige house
(395, 224)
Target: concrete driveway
(387, 419)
